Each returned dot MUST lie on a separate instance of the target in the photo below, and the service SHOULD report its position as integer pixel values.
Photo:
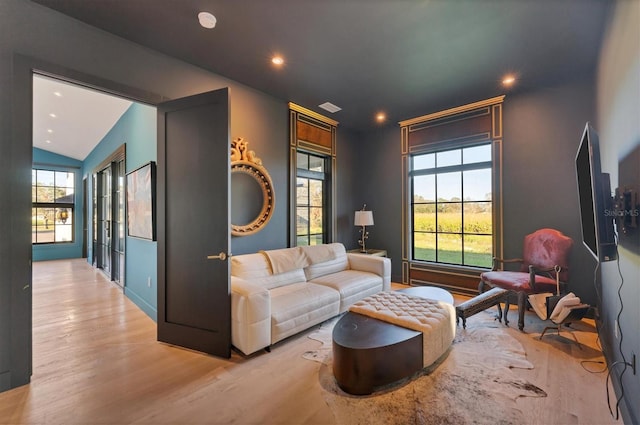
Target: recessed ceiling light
(381, 117)
(49, 131)
(277, 60)
(328, 106)
(57, 93)
(207, 20)
(508, 80)
(52, 115)
(47, 141)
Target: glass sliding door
(109, 217)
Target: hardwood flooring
(96, 361)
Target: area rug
(473, 383)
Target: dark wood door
(194, 307)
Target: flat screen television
(596, 203)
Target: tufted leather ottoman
(389, 336)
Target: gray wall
(379, 185)
(32, 36)
(347, 198)
(618, 125)
(542, 130)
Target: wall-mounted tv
(596, 203)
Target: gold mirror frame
(244, 160)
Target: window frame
(324, 177)
(54, 205)
(447, 169)
(474, 122)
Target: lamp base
(363, 238)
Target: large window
(311, 199)
(312, 162)
(52, 214)
(452, 206)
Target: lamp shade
(363, 218)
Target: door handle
(222, 256)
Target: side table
(374, 252)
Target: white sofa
(278, 293)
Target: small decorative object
(363, 218)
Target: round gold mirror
(252, 195)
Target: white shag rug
(470, 384)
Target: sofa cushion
(349, 282)
(300, 305)
(286, 259)
(352, 285)
(337, 264)
(256, 269)
(318, 253)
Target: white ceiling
(83, 116)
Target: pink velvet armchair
(544, 265)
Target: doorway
(18, 314)
(71, 127)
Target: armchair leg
(507, 304)
(505, 313)
(522, 306)
(481, 287)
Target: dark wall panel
(542, 130)
(379, 185)
(263, 122)
(348, 198)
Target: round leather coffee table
(368, 353)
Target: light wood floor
(96, 361)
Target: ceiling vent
(328, 106)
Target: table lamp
(363, 218)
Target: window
(311, 199)
(52, 213)
(312, 186)
(451, 193)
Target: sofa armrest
(373, 264)
(250, 316)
